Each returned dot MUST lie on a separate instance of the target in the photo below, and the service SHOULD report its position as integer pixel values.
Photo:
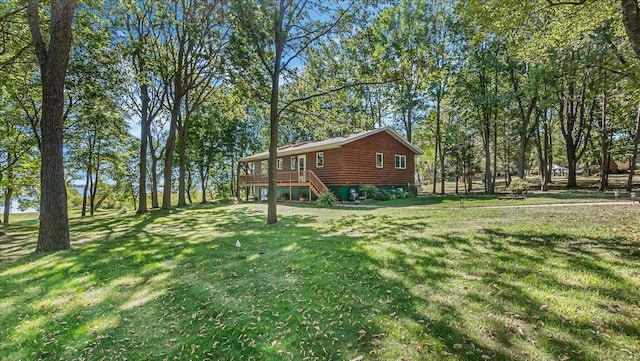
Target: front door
(302, 168)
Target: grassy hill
(431, 283)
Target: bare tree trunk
(631, 21)
(94, 188)
(53, 60)
(541, 153)
(189, 185)
(145, 131)
(85, 191)
(492, 188)
(238, 170)
(183, 132)
(203, 183)
(279, 42)
(232, 174)
(634, 157)
(438, 150)
(8, 193)
(439, 141)
(168, 157)
(604, 146)
(154, 175)
(486, 143)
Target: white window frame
(319, 155)
(381, 165)
(403, 161)
(294, 162)
(280, 164)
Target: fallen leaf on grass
(544, 308)
(457, 346)
(359, 358)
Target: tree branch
(33, 18)
(330, 91)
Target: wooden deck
(287, 179)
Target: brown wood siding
(360, 161)
(332, 172)
(355, 163)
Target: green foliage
(518, 186)
(375, 193)
(326, 199)
(368, 191)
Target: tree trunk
(94, 188)
(604, 146)
(145, 131)
(182, 160)
(548, 152)
(487, 160)
(279, 41)
(575, 124)
(631, 21)
(85, 191)
(541, 152)
(439, 140)
(492, 188)
(54, 219)
(634, 157)
(203, 183)
(238, 170)
(189, 184)
(438, 149)
(168, 157)
(101, 200)
(8, 193)
(154, 175)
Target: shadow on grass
(176, 286)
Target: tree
(140, 43)
(280, 32)
(17, 157)
(53, 58)
(192, 44)
(18, 109)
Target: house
(380, 157)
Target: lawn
(393, 283)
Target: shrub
(326, 199)
(412, 190)
(383, 195)
(375, 193)
(518, 186)
(369, 191)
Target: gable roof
(331, 143)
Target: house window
(280, 163)
(401, 161)
(293, 163)
(264, 167)
(250, 169)
(379, 160)
(320, 160)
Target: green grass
(503, 199)
(412, 283)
